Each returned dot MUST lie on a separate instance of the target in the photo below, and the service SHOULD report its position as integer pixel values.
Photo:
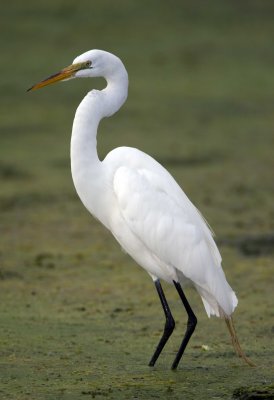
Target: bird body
(140, 202)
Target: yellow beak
(65, 73)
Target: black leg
(191, 324)
(169, 326)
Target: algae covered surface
(78, 318)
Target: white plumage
(174, 242)
(140, 202)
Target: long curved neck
(85, 164)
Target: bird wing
(151, 209)
(160, 215)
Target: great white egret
(142, 205)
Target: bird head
(93, 63)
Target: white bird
(142, 205)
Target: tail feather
(235, 341)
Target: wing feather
(157, 212)
(172, 229)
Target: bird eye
(88, 64)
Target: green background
(79, 319)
